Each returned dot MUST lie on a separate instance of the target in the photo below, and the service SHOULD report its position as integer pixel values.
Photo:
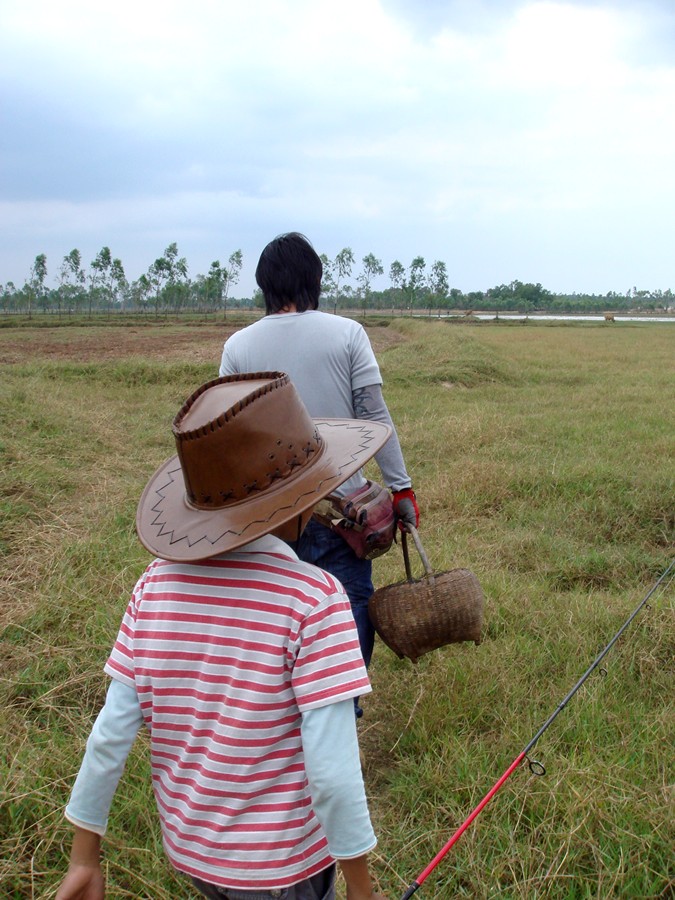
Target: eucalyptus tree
(64, 286)
(99, 276)
(342, 268)
(415, 280)
(167, 273)
(437, 283)
(232, 273)
(372, 266)
(35, 287)
(119, 283)
(327, 280)
(73, 278)
(397, 278)
(396, 274)
(213, 284)
(179, 282)
(156, 276)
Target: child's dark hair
(289, 271)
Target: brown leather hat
(249, 459)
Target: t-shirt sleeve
(228, 362)
(327, 664)
(120, 664)
(365, 369)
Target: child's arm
(357, 879)
(338, 795)
(108, 746)
(84, 879)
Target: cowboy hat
(250, 458)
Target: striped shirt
(225, 654)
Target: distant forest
(167, 286)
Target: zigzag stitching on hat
(213, 541)
(366, 440)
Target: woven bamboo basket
(416, 616)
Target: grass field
(543, 458)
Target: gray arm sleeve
(369, 404)
(331, 751)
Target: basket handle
(428, 571)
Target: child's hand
(84, 879)
(82, 883)
(357, 879)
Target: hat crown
(239, 435)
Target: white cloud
(411, 129)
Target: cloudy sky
(528, 139)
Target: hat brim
(171, 528)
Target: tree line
(347, 285)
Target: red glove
(406, 508)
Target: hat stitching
(170, 533)
(260, 484)
(363, 434)
(228, 414)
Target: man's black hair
(289, 271)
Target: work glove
(406, 508)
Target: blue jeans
(326, 549)
(318, 887)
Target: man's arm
(369, 403)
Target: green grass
(542, 458)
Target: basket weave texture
(416, 616)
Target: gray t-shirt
(327, 357)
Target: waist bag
(365, 519)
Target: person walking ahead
(331, 362)
(241, 660)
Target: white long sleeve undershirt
(335, 781)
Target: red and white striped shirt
(224, 655)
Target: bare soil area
(170, 342)
(196, 344)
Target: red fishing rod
(535, 767)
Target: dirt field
(172, 342)
(194, 343)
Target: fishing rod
(535, 767)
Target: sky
(511, 139)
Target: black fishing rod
(535, 767)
